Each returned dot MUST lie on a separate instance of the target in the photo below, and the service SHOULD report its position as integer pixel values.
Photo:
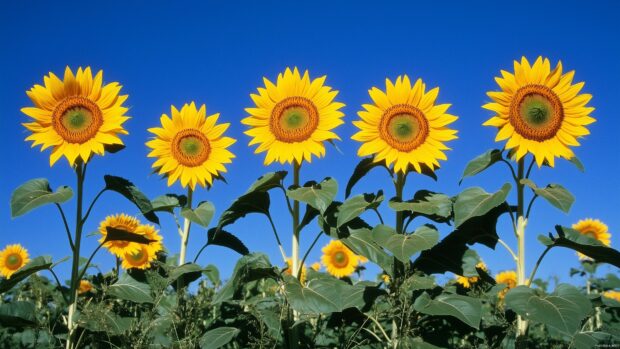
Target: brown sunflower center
(294, 119)
(340, 259)
(77, 119)
(404, 127)
(536, 112)
(190, 147)
(14, 261)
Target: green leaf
(474, 202)
(114, 234)
(18, 314)
(218, 337)
(133, 194)
(35, 265)
(223, 238)
(466, 309)
(417, 282)
(356, 205)
(253, 202)
(588, 340)
(253, 266)
(168, 202)
(268, 181)
(481, 163)
(585, 244)
(562, 310)
(435, 206)
(555, 194)
(362, 168)
(575, 161)
(201, 215)
(105, 321)
(212, 273)
(316, 195)
(405, 246)
(327, 221)
(130, 289)
(35, 193)
(188, 271)
(362, 243)
(324, 295)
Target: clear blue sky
(217, 53)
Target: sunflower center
(590, 233)
(404, 127)
(340, 259)
(138, 258)
(294, 119)
(77, 119)
(13, 261)
(191, 147)
(536, 112)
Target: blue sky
(168, 53)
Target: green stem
(529, 281)
(303, 260)
(294, 335)
(275, 232)
(521, 222)
(185, 236)
(399, 267)
(90, 260)
(400, 184)
(80, 172)
(64, 220)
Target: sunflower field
(374, 261)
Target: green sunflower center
(138, 256)
(340, 259)
(13, 261)
(77, 119)
(590, 233)
(536, 112)
(294, 119)
(404, 127)
(191, 147)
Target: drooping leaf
(114, 234)
(466, 309)
(254, 202)
(212, 273)
(35, 265)
(18, 313)
(201, 215)
(268, 181)
(223, 238)
(328, 222)
(404, 246)
(189, 272)
(362, 243)
(130, 289)
(35, 193)
(475, 202)
(309, 215)
(253, 266)
(575, 161)
(317, 195)
(218, 337)
(555, 194)
(355, 206)
(481, 163)
(435, 206)
(133, 194)
(362, 168)
(585, 244)
(562, 310)
(168, 202)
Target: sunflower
(293, 117)
(468, 282)
(385, 278)
(338, 259)
(190, 146)
(404, 127)
(152, 234)
(316, 266)
(85, 286)
(289, 270)
(12, 258)
(539, 111)
(508, 277)
(77, 116)
(140, 259)
(615, 295)
(593, 228)
(122, 222)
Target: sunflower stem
(80, 171)
(303, 260)
(294, 335)
(520, 232)
(185, 237)
(398, 266)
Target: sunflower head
(85, 286)
(139, 259)
(403, 126)
(12, 258)
(593, 228)
(124, 222)
(539, 111)
(316, 266)
(385, 278)
(615, 295)
(190, 146)
(338, 259)
(77, 116)
(293, 117)
(508, 277)
(468, 282)
(289, 270)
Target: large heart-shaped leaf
(356, 205)
(35, 265)
(362, 168)
(466, 309)
(35, 193)
(114, 234)
(218, 337)
(405, 246)
(250, 267)
(268, 181)
(555, 194)
(168, 202)
(201, 215)
(481, 163)
(130, 289)
(223, 238)
(18, 313)
(435, 206)
(133, 194)
(361, 242)
(475, 202)
(253, 202)
(317, 195)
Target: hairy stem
(521, 223)
(185, 237)
(294, 335)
